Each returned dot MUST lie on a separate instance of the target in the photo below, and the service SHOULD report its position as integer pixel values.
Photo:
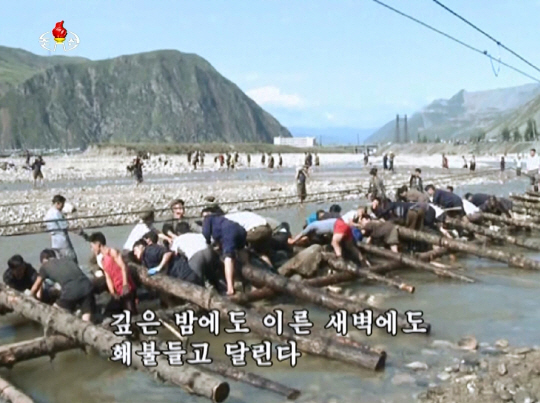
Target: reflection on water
(501, 305)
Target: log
(510, 221)
(10, 393)
(344, 266)
(526, 205)
(432, 254)
(476, 250)
(478, 229)
(531, 193)
(310, 294)
(190, 379)
(331, 279)
(313, 344)
(252, 379)
(239, 375)
(10, 354)
(306, 263)
(414, 263)
(525, 198)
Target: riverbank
(493, 373)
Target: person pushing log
(314, 344)
(190, 379)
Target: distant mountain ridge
(159, 97)
(464, 115)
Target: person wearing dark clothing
(263, 159)
(270, 161)
(391, 211)
(228, 160)
(155, 257)
(444, 162)
(77, 289)
(415, 182)
(301, 177)
(248, 159)
(491, 204)
(478, 198)
(498, 206)
(36, 169)
(503, 164)
(137, 170)
(231, 237)
(189, 157)
(385, 161)
(317, 161)
(19, 275)
(280, 161)
(376, 186)
(379, 231)
(366, 159)
(472, 164)
(446, 200)
(412, 195)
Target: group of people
(388, 161)
(209, 252)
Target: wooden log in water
(478, 229)
(534, 214)
(10, 393)
(311, 294)
(527, 205)
(189, 378)
(345, 266)
(313, 344)
(432, 254)
(412, 262)
(525, 198)
(532, 193)
(476, 250)
(510, 221)
(10, 354)
(317, 282)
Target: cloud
(272, 96)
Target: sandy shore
(98, 166)
(337, 172)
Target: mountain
(161, 96)
(518, 119)
(464, 115)
(17, 65)
(333, 135)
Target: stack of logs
(71, 332)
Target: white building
(295, 141)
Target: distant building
(295, 141)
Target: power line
(486, 34)
(482, 52)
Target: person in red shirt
(343, 240)
(117, 275)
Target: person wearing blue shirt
(231, 237)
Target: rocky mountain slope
(464, 115)
(161, 96)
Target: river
(502, 304)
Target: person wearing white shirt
(533, 163)
(203, 260)
(58, 227)
(143, 227)
(259, 232)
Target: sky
(316, 63)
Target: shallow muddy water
(502, 304)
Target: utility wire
(486, 34)
(482, 52)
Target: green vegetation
(214, 148)
(153, 98)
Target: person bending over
(383, 232)
(231, 237)
(77, 289)
(117, 275)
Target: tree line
(530, 133)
